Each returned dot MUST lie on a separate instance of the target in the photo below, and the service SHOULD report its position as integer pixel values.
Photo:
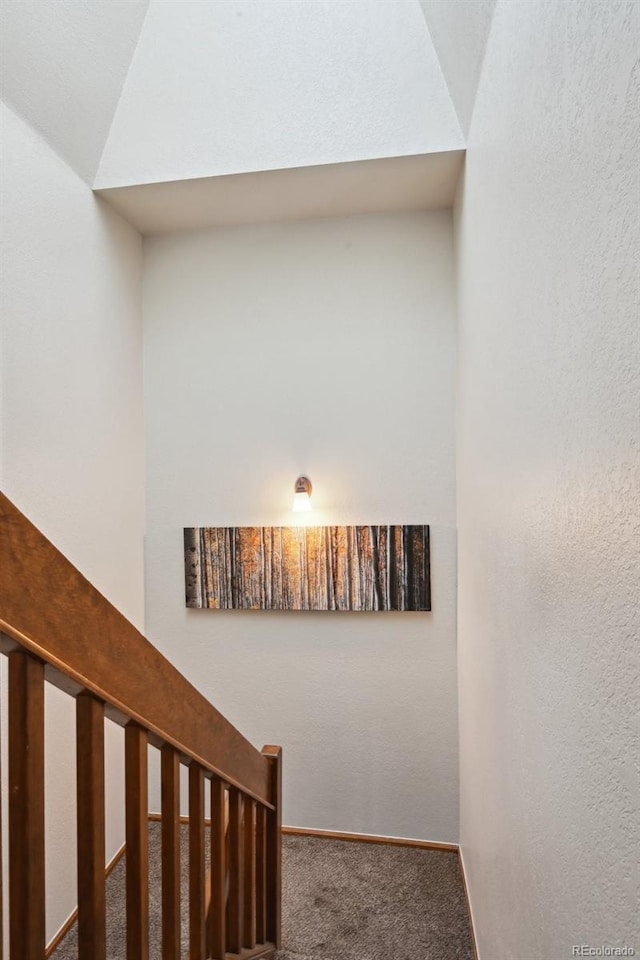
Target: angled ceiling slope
(62, 67)
(247, 111)
(460, 32)
(194, 114)
(248, 85)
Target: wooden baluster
(170, 829)
(196, 863)
(26, 807)
(261, 873)
(217, 907)
(234, 900)
(137, 836)
(249, 873)
(92, 920)
(274, 845)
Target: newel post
(274, 844)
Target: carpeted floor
(364, 901)
(341, 901)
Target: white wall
(72, 431)
(218, 88)
(62, 66)
(325, 347)
(548, 482)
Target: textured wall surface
(71, 424)
(460, 29)
(548, 482)
(62, 66)
(245, 85)
(323, 347)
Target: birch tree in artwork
(192, 567)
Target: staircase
(56, 628)
(203, 889)
(341, 900)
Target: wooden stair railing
(56, 627)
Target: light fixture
(302, 495)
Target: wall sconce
(302, 495)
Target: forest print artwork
(308, 568)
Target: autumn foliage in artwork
(308, 568)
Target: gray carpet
(363, 901)
(341, 901)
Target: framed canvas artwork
(308, 568)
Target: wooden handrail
(51, 611)
(55, 626)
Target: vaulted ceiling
(171, 91)
(62, 68)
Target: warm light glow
(301, 502)
(302, 495)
